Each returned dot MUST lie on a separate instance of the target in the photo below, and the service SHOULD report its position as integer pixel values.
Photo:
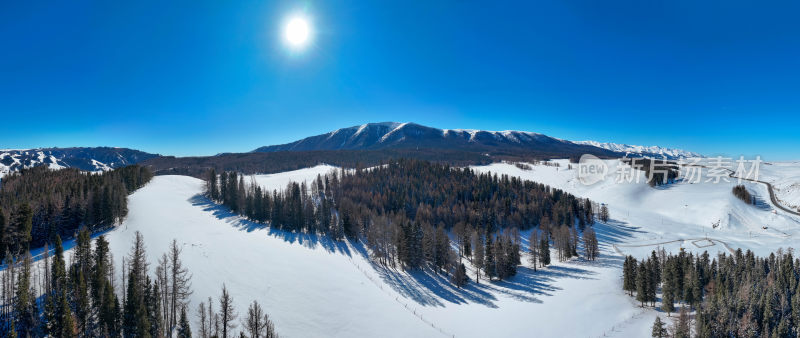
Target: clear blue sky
(203, 77)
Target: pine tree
(211, 187)
(659, 329)
(25, 308)
(460, 275)
(80, 296)
(135, 318)
(544, 251)
(490, 261)
(99, 282)
(642, 284)
(681, 328)
(667, 301)
(155, 317)
(184, 331)
(478, 260)
(23, 224)
(58, 317)
(629, 275)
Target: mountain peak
(409, 135)
(648, 151)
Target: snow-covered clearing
(279, 181)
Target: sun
(297, 31)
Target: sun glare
(297, 32)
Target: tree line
(37, 204)
(734, 295)
(406, 210)
(83, 298)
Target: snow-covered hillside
(785, 179)
(87, 159)
(649, 151)
(313, 287)
(680, 211)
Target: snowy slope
(678, 211)
(785, 179)
(315, 288)
(678, 216)
(279, 181)
(649, 151)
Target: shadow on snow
(429, 288)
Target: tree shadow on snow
(307, 240)
(429, 288)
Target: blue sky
(203, 77)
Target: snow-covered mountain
(88, 159)
(649, 151)
(394, 135)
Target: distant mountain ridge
(394, 135)
(647, 151)
(83, 158)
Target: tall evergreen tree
(25, 308)
(659, 329)
(642, 284)
(184, 331)
(544, 250)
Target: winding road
(771, 193)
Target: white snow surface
(279, 181)
(785, 179)
(313, 287)
(680, 210)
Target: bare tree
(590, 244)
(181, 282)
(533, 247)
(201, 314)
(227, 314)
(162, 275)
(258, 324)
(213, 322)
